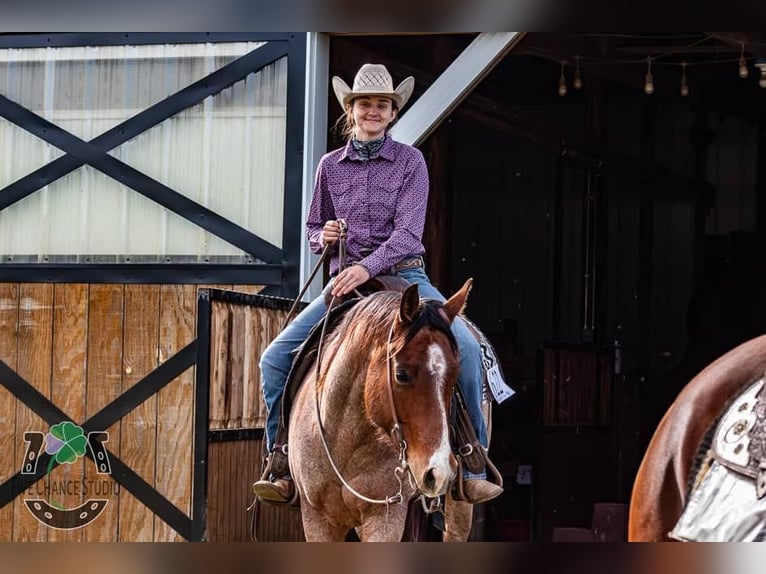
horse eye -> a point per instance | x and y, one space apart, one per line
402 376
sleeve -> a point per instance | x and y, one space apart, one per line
320 210
409 218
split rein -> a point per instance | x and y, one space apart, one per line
403 467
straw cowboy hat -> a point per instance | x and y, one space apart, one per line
373 80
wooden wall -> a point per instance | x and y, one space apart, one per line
241 327
81 346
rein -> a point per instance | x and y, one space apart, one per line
403 467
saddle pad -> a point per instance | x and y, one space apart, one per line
735 444
723 508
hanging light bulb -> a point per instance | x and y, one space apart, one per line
562 82
743 71
761 65
649 81
684 84
577 82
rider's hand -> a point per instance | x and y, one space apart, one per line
331 232
348 279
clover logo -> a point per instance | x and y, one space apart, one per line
66 442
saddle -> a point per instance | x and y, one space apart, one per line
739 442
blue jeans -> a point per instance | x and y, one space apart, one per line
278 358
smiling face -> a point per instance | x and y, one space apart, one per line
372 115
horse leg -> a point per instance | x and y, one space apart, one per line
317 529
458 516
385 525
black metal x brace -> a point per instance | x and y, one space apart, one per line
102 420
94 152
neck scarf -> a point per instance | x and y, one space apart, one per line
367 150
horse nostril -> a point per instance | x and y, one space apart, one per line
429 480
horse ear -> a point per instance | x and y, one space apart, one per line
408 310
455 304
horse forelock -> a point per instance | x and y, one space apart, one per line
431 315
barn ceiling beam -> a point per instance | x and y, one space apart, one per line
453 85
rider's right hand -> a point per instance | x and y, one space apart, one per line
331 232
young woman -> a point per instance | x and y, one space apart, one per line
380 188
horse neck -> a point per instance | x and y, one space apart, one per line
345 392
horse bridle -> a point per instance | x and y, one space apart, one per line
403 468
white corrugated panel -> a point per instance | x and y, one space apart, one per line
227 153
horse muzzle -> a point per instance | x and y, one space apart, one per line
436 479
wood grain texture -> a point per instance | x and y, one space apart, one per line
236 374
68 383
138 437
220 338
34 365
175 405
104 381
10 444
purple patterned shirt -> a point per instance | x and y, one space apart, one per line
383 201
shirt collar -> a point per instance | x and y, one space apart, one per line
388 151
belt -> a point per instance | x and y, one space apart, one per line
407 263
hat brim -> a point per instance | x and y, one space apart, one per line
400 95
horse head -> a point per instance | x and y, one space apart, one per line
412 393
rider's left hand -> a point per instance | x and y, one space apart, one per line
349 279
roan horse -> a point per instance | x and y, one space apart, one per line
660 488
375 416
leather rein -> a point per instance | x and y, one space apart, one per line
403 468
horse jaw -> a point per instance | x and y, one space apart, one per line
455 304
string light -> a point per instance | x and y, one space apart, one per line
684 84
743 71
761 64
649 82
577 82
562 82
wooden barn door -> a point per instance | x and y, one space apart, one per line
119 361
239 327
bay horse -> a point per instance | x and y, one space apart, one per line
369 426
660 488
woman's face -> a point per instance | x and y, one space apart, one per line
372 115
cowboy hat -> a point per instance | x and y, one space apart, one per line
373 80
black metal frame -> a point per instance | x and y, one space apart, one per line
277 268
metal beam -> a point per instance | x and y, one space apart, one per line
457 81
315 139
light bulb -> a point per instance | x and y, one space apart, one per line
684 84
577 82
649 81
562 82
762 81
649 84
743 71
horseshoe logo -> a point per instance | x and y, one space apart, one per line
66 519
66 443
